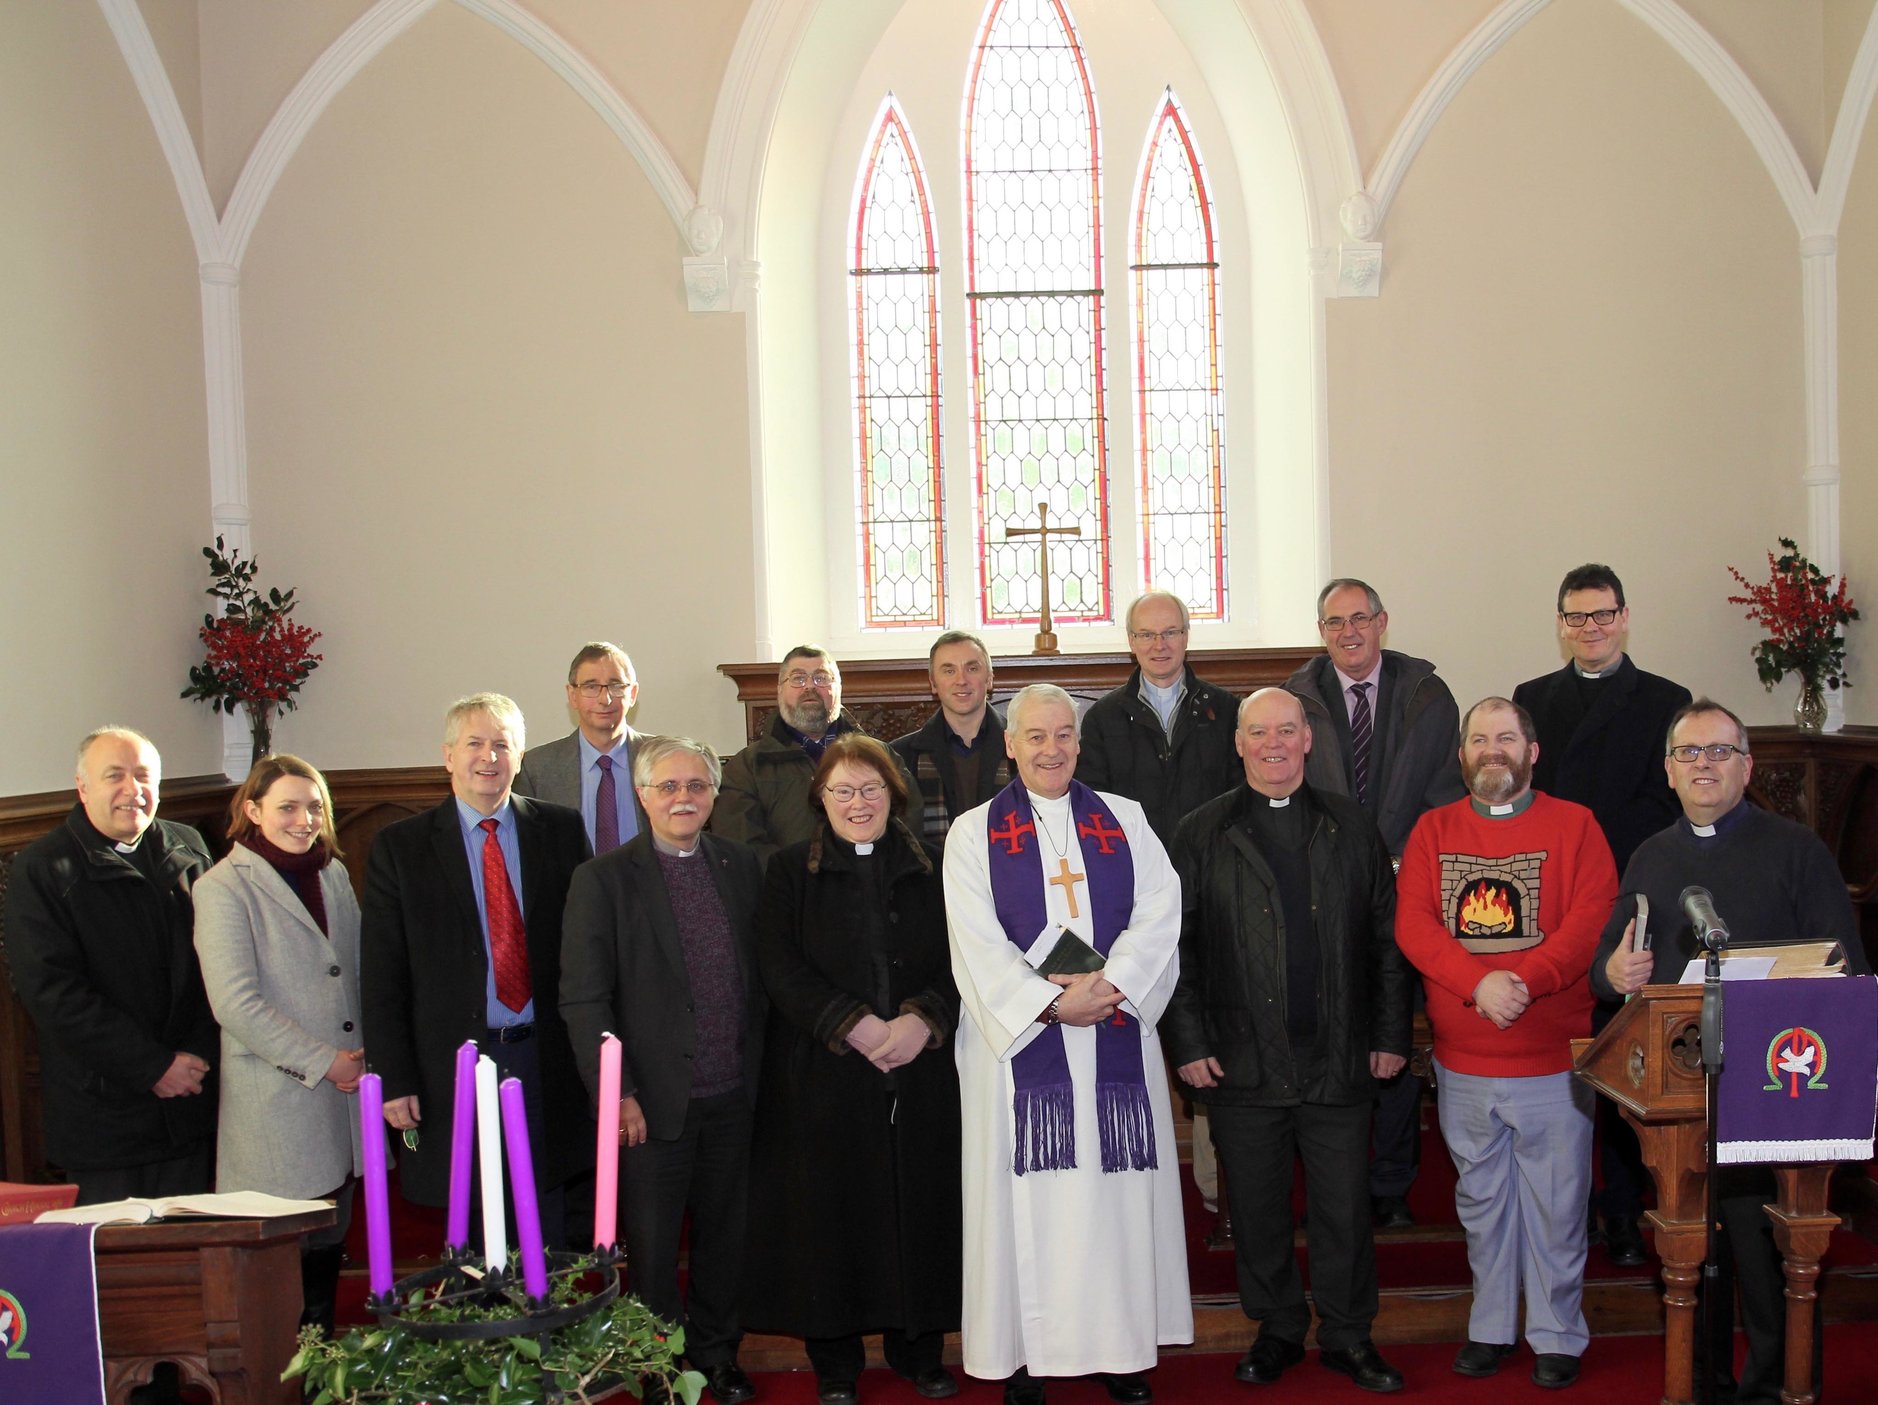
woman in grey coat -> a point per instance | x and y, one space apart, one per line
277 931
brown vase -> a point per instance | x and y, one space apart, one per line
1809 713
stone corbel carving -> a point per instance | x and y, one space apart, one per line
1359 256
707 278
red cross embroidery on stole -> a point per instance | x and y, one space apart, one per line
1012 835
1099 832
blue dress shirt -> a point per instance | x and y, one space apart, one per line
622 789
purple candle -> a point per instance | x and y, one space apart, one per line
522 1187
377 1205
462 1128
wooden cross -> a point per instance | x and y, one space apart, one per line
1067 881
1045 642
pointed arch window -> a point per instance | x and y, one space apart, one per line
1178 413
897 451
1034 290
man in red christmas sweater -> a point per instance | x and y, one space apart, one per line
1500 902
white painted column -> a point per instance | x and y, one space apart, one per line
1819 320
229 513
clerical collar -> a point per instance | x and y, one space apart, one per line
1604 672
1278 802
1163 700
1722 825
672 851
127 848
1505 811
864 849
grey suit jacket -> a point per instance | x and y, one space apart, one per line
287 998
551 772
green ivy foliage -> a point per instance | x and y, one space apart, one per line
621 1346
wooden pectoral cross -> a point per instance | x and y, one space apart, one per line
1045 642
1066 879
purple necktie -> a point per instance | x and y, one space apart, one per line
1360 726
606 811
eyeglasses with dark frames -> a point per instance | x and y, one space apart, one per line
1718 752
1577 619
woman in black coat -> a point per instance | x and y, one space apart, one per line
855 1221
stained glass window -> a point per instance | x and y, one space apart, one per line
1034 290
1178 415
898 459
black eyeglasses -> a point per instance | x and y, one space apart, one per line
1720 751
1335 623
1577 619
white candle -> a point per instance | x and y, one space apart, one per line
489 1145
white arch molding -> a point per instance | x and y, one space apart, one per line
220 244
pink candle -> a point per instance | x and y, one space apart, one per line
377 1205
606 1154
462 1128
522 1186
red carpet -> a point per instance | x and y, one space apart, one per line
1617 1371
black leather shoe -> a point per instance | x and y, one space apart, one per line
936 1384
1023 1389
1128 1390
1623 1241
1391 1212
727 1383
835 1392
1481 1358
1555 1371
1269 1358
1362 1365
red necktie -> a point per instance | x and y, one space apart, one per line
508 938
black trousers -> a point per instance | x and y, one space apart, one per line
844 1358
1750 1264
523 1061
1257 1146
191 1173
1397 1157
706 1170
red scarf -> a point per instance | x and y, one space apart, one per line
301 872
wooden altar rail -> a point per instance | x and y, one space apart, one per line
1829 783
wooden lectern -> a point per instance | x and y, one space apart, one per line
1648 1061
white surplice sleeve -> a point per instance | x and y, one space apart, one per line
1000 991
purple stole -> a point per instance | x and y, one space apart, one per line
1044 1104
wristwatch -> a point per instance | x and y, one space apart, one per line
1050 1015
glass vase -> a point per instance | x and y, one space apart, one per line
1809 713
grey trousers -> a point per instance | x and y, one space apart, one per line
1522 1147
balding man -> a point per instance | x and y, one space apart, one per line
1293 1002
99 939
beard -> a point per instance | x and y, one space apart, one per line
810 715
1496 785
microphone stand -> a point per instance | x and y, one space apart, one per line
1711 1036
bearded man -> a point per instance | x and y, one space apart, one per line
1500 903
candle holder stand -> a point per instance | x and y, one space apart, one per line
458 1281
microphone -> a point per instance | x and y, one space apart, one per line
1698 905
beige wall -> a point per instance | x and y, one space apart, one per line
105 480
1586 348
1858 427
483 429
482 426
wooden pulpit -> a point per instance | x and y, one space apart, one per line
1648 1061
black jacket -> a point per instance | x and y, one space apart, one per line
855 1216
623 969
927 755
424 971
105 964
1230 1002
1414 758
1609 759
1125 750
